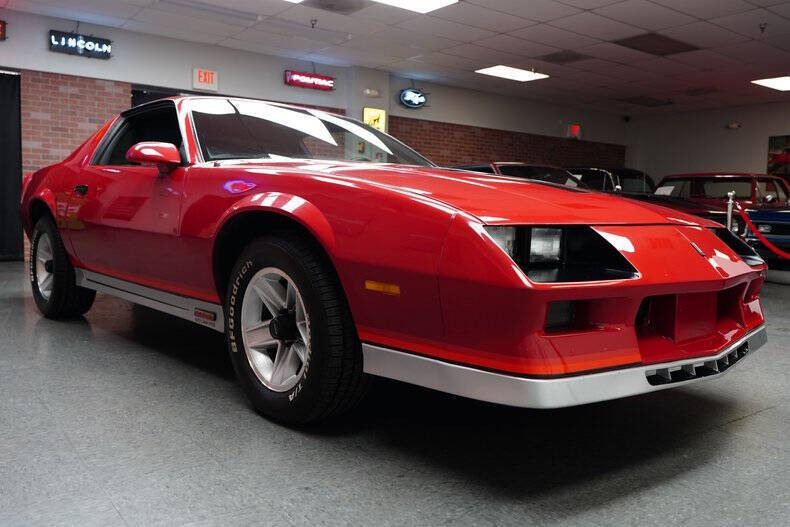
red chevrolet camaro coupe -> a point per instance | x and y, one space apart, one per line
327 251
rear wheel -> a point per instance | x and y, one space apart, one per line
52 276
291 337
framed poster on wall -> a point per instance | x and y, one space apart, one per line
779 156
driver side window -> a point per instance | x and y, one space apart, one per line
158 124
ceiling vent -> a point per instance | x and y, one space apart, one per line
705 90
343 7
563 57
648 102
656 44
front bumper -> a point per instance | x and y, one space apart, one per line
531 392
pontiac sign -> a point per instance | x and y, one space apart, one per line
304 79
75 44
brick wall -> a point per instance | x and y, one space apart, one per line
452 144
59 112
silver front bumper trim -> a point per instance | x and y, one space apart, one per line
533 392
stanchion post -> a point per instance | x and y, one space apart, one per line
730 205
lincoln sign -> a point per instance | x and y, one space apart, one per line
75 44
309 80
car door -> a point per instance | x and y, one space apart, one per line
124 218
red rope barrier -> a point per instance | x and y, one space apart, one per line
776 250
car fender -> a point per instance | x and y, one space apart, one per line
293 207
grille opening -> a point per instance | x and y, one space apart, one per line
739 247
696 370
567 316
656 317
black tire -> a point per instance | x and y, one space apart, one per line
333 381
65 299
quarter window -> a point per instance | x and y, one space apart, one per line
160 124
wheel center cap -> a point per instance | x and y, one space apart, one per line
283 327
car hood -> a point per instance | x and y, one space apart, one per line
492 199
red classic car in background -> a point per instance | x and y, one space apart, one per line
754 191
327 251
635 184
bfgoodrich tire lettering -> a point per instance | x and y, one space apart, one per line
52 276
316 381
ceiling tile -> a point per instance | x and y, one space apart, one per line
590 4
703 35
257 47
89 15
303 15
196 25
286 27
444 28
597 26
554 36
421 40
371 44
754 52
382 13
275 40
748 23
664 66
482 17
180 33
705 60
344 56
448 61
615 53
516 46
781 9
706 9
540 10
644 14
485 56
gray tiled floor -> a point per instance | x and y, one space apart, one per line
133 417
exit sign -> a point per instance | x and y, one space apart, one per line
2 29
203 79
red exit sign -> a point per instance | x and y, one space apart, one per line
2 29
304 79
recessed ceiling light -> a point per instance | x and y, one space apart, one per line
419 6
778 83
515 74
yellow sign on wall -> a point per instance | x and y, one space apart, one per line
375 117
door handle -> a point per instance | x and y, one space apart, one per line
81 189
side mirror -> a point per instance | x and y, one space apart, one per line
148 153
770 198
618 188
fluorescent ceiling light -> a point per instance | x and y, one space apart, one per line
419 6
294 1
778 83
515 74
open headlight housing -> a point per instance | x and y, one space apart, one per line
549 254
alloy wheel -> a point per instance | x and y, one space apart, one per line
275 329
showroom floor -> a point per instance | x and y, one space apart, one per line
133 417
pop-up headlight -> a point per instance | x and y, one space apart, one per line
545 245
505 237
550 254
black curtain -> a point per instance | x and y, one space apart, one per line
10 167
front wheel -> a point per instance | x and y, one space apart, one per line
52 276
290 333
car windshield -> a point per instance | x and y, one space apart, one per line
711 188
246 129
557 176
635 182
